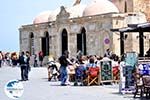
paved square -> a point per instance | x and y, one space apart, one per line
38 88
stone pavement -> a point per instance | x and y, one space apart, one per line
38 88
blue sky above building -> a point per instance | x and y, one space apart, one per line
15 13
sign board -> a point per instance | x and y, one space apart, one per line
129 79
106 74
144 68
131 59
126 74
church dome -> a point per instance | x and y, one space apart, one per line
100 7
76 11
52 16
42 17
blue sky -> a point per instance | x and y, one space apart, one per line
15 13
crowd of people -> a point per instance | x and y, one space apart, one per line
79 66
11 59
14 59
8 58
60 71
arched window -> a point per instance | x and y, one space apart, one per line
81 41
64 40
31 39
125 7
45 44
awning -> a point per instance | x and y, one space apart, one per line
144 27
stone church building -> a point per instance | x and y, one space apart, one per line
86 28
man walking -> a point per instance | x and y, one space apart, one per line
41 56
27 62
63 71
23 66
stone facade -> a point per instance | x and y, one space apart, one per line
91 34
97 29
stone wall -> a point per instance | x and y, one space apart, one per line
142 6
97 27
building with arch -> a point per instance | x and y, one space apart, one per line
81 27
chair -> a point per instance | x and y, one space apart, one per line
80 75
138 84
52 71
93 76
71 72
146 85
116 74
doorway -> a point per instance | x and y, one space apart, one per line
45 44
64 40
31 37
81 41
